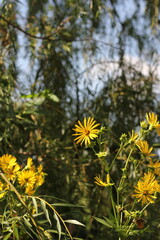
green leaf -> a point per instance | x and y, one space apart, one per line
7 236
27 222
29 96
65 205
45 211
110 222
29 226
15 232
35 204
37 100
58 225
53 97
72 221
104 222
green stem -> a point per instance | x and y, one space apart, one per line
124 170
144 207
119 150
113 207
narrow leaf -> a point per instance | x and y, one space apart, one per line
45 211
7 236
74 222
15 232
102 221
58 225
35 204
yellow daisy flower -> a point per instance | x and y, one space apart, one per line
12 172
146 189
103 184
86 131
7 161
9 166
144 148
144 192
152 119
27 178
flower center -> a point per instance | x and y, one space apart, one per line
87 132
145 192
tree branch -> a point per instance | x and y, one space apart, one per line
49 37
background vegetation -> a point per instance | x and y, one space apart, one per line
61 60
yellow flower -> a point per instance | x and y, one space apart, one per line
2 190
12 172
27 178
144 148
152 119
86 131
146 189
144 192
30 164
157 128
155 166
40 176
7 161
148 177
29 190
9 166
103 184
133 136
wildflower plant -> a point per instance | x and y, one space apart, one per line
138 184
23 213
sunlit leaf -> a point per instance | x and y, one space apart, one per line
35 204
58 225
45 211
53 97
72 221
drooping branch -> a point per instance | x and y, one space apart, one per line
50 37
24 31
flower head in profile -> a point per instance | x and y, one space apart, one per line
133 136
107 183
152 119
146 189
144 148
40 176
155 166
30 164
157 128
86 132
